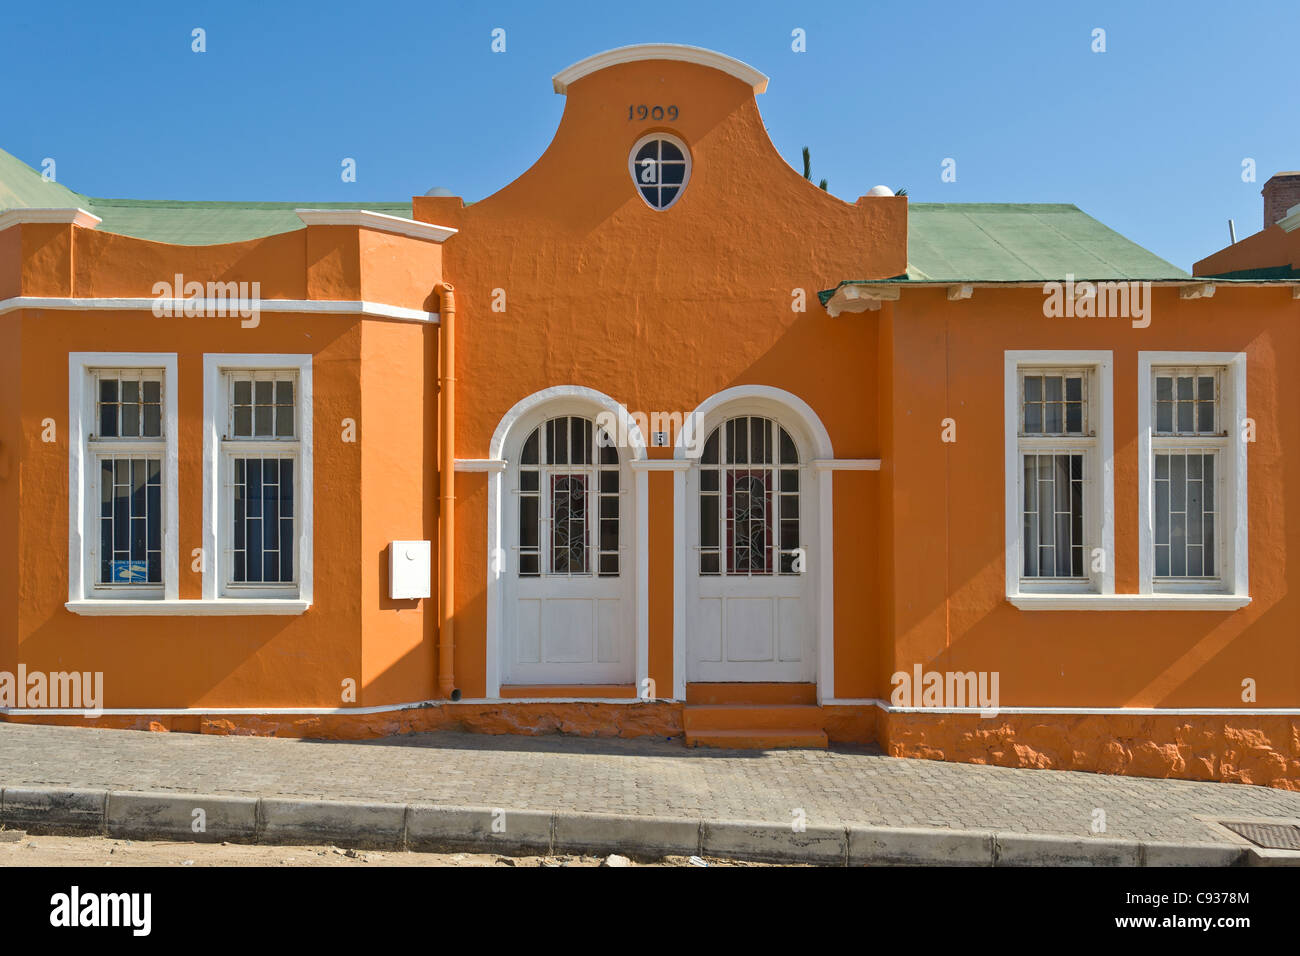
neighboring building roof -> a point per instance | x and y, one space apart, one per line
1018 242
179 222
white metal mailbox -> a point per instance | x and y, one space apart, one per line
408 570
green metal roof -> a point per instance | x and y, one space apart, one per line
1018 242
210 223
174 221
22 187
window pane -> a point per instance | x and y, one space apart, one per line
708 521
130 522
1033 388
528 522
1052 418
284 421
710 454
1033 419
1074 418
1205 422
1164 417
788 454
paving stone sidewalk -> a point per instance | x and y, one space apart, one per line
839 787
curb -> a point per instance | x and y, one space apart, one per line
427 827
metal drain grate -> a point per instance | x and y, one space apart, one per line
1271 836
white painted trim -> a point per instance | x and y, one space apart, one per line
1238 712
578 395
679 584
659 51
1291 221
816 433
379 221
480 464
641 582
846 464
314 711
557 400
1104 422
686 171
81 421
177 608
1069 711
214 403
1128 602
660 464
768 401
75 216
377 310
825 586
1236 580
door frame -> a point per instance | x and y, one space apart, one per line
514 426
798 417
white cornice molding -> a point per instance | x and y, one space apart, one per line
846 464
221 307
481 464
660 464
1129 602
78 217
381 222
1291 221
660 51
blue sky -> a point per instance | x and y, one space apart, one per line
1148 137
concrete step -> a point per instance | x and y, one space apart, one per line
774 739
770 694
750 717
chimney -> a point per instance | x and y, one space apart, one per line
1280 193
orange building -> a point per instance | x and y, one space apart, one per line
692 449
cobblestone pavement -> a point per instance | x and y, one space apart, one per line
835 787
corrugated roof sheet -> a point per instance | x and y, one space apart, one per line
174 221
210 223
1021 242
1018 242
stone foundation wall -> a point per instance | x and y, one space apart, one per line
1249 749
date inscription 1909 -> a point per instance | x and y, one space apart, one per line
643 111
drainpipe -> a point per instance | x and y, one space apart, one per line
447 492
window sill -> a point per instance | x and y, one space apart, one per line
1129 602
217 608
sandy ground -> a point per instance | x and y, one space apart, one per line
44 851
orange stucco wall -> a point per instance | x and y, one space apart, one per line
565 277
948 599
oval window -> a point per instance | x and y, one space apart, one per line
661 166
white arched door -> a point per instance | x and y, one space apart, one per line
568 615
751 522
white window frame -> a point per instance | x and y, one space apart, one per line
83 510
216 456
1231 493
686 173
1099 501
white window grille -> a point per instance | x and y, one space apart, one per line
568 500
660 165
749 500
